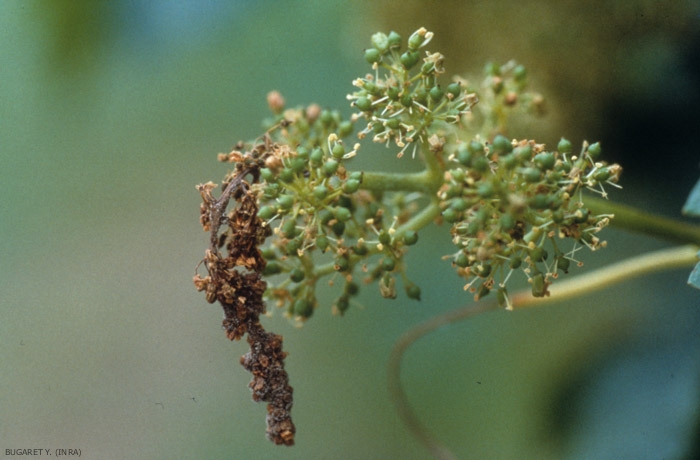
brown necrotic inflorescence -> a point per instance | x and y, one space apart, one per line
234 280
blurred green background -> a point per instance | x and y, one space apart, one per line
111 113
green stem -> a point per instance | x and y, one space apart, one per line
636 220
420 220
392 182
397 392
427 181
645 264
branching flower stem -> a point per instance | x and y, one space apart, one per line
657 261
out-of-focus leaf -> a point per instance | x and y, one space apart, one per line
694 278
692 204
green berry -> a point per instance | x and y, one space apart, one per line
539 287
457 175
594 150
297 165
342 214
322 242
581 215
267 212
364 104
538 254
464 156
531 175
427 69
461 260
563 264
297 275
338 228
483 271
267 175
286 202
329 168
360 250
286 175
459 204
393 123
388 264
409 59
540 201
564 146
271 191
303 152
451 215
483 291
544 160
454 89
342 264
268 254
303 308
524 152
436 93
602 174
351 288
515 262
501 145
272 268
410 237
558 216
415 40
475 147
507 222
321 192
325 216
316 157
413 291
342 304
351 186
393 93
338 151
384 237
345 128
509 161
420 95
292 247
454 191
480 164
381 42
485 190
372 55
326 118
394 40
289 228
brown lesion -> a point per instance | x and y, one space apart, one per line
234 280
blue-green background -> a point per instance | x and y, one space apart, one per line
111 113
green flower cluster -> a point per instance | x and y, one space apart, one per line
510 203
322 222
402 104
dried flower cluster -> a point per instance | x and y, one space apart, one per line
235 281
